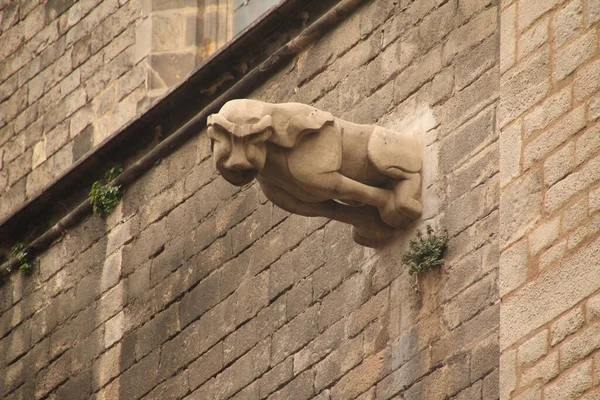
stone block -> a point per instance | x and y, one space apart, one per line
491 386
467 103
167 31
411 79
594 199
571 384
251 228
510 152
200 299
575 215
437 24
569 58
252 296
47 379
587 144
374 308
173 388
534 393
320 347
579 347
530 10
19 167
587 81
299 298
106 367
524 86
472 393
248 335
343 300
196 338
520 207
336 364
594 109
593 308
157 331
473 63
470 34
141 377
484 358
469 139
470 302
276 377
294 335
567 22
114 329
508 38
548 111
83 142
533 38
557 134
241 373
545 370
206 366
552 255
592 14
534 349
361 378
562 191
544 235
300 388
469 8
539 302
513 267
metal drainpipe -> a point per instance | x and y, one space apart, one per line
245 85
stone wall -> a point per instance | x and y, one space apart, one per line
550 202
194 289
72 73
69 77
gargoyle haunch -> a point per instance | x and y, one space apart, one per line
310 163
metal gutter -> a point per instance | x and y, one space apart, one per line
195 125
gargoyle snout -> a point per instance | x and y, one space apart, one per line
237 160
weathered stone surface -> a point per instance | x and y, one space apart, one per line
523 86
572 384
568 22
533 38
513 267
558 291
520 206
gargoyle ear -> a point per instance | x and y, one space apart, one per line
311 122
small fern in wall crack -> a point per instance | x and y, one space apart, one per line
103 197
18 252
426 252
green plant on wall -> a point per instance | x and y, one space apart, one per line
103 197
18 252
425 253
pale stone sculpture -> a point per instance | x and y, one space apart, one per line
310 163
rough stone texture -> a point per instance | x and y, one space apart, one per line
183 291
557 145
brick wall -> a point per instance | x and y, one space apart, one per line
195 289
549 204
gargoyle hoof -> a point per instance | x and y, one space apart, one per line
399 215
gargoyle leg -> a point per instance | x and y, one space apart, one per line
403 208
366 220
351 190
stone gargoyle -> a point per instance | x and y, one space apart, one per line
310 163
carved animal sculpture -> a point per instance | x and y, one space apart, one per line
310 163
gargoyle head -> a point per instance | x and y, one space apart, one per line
238 145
